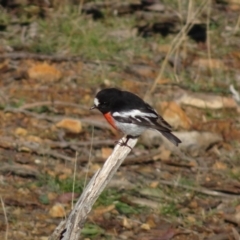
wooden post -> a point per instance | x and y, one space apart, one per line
72 226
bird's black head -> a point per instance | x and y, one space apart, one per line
105 99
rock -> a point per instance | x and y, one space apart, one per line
71 125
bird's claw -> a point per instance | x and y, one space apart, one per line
123 143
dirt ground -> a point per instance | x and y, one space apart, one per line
183 57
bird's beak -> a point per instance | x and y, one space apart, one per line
93 107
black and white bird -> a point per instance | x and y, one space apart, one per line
129 114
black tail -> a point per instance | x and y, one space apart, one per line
173 139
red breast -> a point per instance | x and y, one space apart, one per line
110 119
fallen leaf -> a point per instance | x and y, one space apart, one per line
174 114
164 81
63 169
71 125
101 210
205 63
32 138
63 176
94 167
156 7
43 238
151 221
154 184
126 223
143 70
191 219
21 131
44 72
161 234
66 197
219 165
131 86
233 5
51 173
106 152
4 66
163 48
52 196
145 226
193 204
146 202
237 208
164 154
57 211
226 128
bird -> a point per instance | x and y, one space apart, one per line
130 114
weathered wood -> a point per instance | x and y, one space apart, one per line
71 228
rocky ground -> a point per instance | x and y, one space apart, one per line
182 57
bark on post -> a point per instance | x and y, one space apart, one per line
70 229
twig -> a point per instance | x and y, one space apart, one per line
51 103
177 41
55 58
54 144
235 93
9 142
46 149
80 7
208 38
71 228
236 233
74 177
18 170
32 146
56 155
35 115
6 218
236 29
55 119
199 189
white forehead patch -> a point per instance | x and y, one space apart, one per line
96 102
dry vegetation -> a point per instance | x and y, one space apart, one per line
183 57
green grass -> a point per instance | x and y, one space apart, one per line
17 103
54 184
169 209
126 209
108 197
67 31
5 18
91 230
234 174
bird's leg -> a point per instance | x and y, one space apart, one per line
124 143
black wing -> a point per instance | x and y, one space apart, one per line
149 119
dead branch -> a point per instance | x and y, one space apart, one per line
52 103
54 58
55 144
10 142
19 170
71 228
46 149
33 147
55 119
199 189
